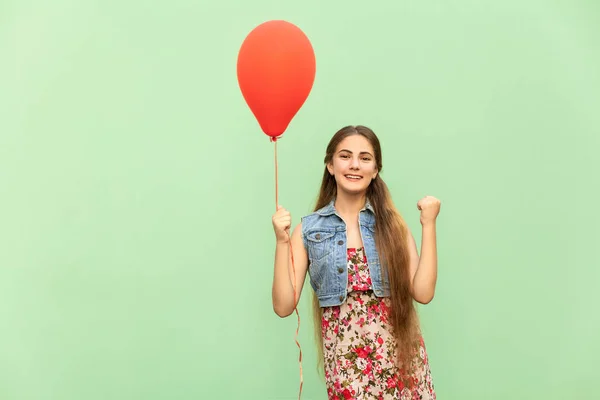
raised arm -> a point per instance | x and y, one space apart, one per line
423 269
284 301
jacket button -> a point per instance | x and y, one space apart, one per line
341 298
340 270
341 242
318 236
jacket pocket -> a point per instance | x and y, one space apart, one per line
320 244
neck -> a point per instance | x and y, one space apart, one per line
347 204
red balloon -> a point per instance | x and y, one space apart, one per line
276 71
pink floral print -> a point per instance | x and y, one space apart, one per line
359 347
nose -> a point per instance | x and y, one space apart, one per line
355 164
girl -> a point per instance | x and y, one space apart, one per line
365 273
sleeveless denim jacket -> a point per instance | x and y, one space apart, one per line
324 237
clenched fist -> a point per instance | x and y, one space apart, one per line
430 208
282 220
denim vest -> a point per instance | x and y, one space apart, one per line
324 236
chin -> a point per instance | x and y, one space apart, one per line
352 190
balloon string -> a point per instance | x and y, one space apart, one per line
274 140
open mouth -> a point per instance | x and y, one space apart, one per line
353 178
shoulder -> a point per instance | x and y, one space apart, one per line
318 222
308 222
317 218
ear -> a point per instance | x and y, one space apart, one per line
375 174
330 168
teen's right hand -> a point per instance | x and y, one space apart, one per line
282 220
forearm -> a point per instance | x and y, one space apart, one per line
426 276
283 289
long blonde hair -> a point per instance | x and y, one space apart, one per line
392 246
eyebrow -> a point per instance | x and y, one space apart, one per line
362 152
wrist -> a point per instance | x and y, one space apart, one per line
428 224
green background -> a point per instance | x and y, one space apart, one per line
136 192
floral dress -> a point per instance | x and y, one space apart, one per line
359 348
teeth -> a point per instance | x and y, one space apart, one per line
353 176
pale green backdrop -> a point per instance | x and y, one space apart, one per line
136 192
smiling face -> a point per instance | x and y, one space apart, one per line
353 164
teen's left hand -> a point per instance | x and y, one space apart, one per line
430 208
